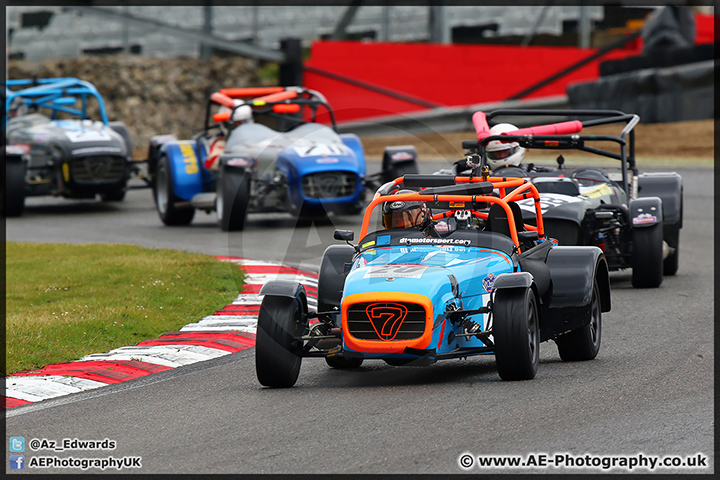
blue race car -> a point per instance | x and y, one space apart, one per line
53 147
299 165
464 277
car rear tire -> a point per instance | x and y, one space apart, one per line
343 362
672 262
583 343
647 257
165 199
515 332
233 197
280 323
14 201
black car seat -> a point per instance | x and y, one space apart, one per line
533 257
497 220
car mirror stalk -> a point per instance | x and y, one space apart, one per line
347 236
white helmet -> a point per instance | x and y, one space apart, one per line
241 112
503 154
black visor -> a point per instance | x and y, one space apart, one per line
500 154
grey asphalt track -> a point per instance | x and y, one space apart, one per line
649 391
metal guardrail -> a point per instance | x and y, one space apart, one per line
451 119
197 35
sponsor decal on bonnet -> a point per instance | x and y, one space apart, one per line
406 271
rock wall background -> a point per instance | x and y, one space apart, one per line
151 95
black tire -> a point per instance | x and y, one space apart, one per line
165 198
515 332
395 171
14 198
343 362
233 197
583 343
113 196
277 363
647 257
672 262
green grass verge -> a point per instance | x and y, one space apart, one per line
67 301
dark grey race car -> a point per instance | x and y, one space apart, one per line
635 218
71 157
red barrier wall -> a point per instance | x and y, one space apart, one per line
450 75
704 28
446 75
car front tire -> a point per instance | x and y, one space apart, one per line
165 199
516 334
233 197
277 359
647 257
14 201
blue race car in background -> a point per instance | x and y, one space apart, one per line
283 160
53 147
483 283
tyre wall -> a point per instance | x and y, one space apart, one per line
657 95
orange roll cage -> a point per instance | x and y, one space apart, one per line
275 97
286 108
250 92
222 99
523 189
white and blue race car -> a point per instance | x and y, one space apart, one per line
493 284
283 160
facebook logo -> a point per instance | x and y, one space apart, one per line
17 462
17 444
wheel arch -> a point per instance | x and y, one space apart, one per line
573 272
668 187
602 276
646 211
285 288
331 280
353 142
185 170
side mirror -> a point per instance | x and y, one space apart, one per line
347 235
